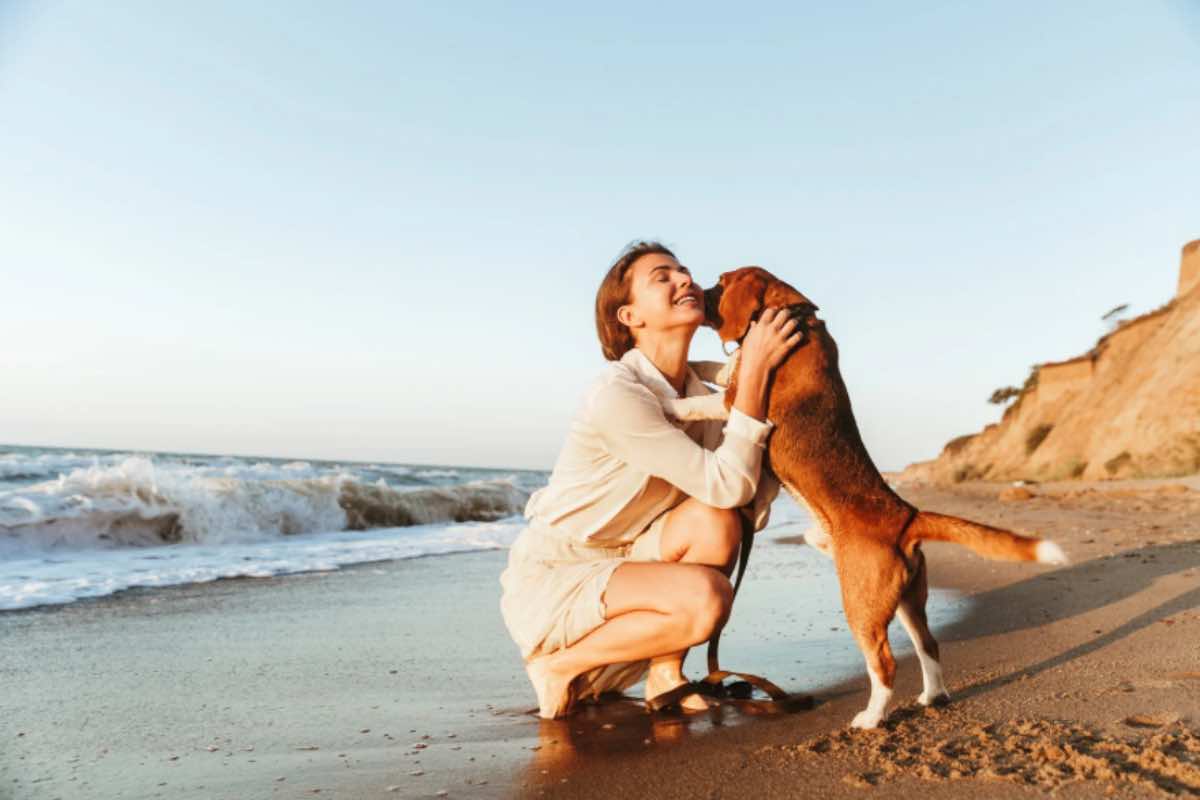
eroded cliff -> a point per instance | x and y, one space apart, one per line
1130 407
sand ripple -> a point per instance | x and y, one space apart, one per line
1157 754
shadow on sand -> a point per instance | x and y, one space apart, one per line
1072 592
621 725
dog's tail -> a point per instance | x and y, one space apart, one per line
989 542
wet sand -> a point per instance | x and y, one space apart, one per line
396 675
337 684
397 679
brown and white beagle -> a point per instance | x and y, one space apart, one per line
817 454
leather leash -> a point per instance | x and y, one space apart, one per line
713 685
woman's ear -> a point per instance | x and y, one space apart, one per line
741 300
626 317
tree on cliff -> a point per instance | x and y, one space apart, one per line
1114 316
1004 394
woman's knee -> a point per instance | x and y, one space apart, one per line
723 536
707 535
707 604
727 529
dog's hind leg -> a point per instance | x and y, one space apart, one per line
911 614
871 587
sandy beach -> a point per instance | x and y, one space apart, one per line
397 679
316 313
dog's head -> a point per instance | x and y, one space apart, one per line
741 295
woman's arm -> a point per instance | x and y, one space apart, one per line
634 429
632 424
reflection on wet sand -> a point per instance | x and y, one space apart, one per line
620 725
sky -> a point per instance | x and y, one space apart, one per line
374 230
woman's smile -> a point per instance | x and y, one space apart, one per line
691 298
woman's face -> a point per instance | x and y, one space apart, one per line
661 296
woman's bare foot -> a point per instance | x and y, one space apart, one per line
552 684
664 677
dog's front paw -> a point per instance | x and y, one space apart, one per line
674 408
867 720
699 407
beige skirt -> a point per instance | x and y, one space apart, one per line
553 596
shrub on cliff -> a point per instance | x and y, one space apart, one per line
1003 395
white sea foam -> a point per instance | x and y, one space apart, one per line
391 469
111 521
139 503
437 473
27 467
86 524
37 581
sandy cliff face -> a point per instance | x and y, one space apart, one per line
1128 408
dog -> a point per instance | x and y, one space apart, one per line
816 453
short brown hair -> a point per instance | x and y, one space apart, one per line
615 337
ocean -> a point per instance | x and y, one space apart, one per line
81 523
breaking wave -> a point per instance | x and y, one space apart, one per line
135 502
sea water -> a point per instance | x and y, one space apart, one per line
83 523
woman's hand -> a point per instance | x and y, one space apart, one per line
766 345
769 340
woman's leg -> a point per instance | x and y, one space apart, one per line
652 608
693 533
655 608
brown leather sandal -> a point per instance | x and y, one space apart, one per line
713 684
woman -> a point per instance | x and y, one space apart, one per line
623 565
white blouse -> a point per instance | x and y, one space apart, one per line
625 462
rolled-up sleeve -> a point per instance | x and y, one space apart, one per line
634 429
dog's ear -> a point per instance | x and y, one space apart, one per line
741 300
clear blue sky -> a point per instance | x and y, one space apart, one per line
374 230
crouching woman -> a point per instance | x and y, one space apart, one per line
625 560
